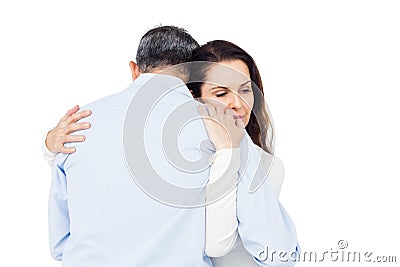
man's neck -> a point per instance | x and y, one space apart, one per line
172 71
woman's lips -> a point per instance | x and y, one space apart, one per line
238 117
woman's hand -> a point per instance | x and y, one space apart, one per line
58 136
223 129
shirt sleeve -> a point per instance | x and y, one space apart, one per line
264 226
58 214
221 220
47 154
276 173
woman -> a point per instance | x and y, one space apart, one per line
234 99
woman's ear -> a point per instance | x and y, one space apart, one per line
191 91
134 70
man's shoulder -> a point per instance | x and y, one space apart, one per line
110 100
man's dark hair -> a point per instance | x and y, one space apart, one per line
164 46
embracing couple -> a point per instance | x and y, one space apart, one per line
148 183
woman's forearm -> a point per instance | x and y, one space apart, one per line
221 220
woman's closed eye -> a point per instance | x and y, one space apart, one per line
245 90
221 93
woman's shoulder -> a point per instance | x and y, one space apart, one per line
276 162
276 170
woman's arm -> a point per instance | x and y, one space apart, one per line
53 141
221 223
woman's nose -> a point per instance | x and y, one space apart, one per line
235 102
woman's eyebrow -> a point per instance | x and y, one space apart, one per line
219 87
243 84
224 87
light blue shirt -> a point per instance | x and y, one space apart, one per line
266 230
100 215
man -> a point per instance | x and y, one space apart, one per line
98 216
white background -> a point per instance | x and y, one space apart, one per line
331 71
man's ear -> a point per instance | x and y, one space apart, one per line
134 70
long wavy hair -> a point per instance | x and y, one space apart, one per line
260 127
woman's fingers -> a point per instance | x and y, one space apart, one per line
225 129
77 127
77 116
58 136
68 150
202 110
220 109
74 138
239 123
212 110
230 112
71 111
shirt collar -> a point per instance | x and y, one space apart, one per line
180 86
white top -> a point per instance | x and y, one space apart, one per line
47 154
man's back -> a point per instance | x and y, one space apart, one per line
98 213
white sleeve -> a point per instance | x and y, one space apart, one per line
47 154
221 220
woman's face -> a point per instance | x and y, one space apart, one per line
229 84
